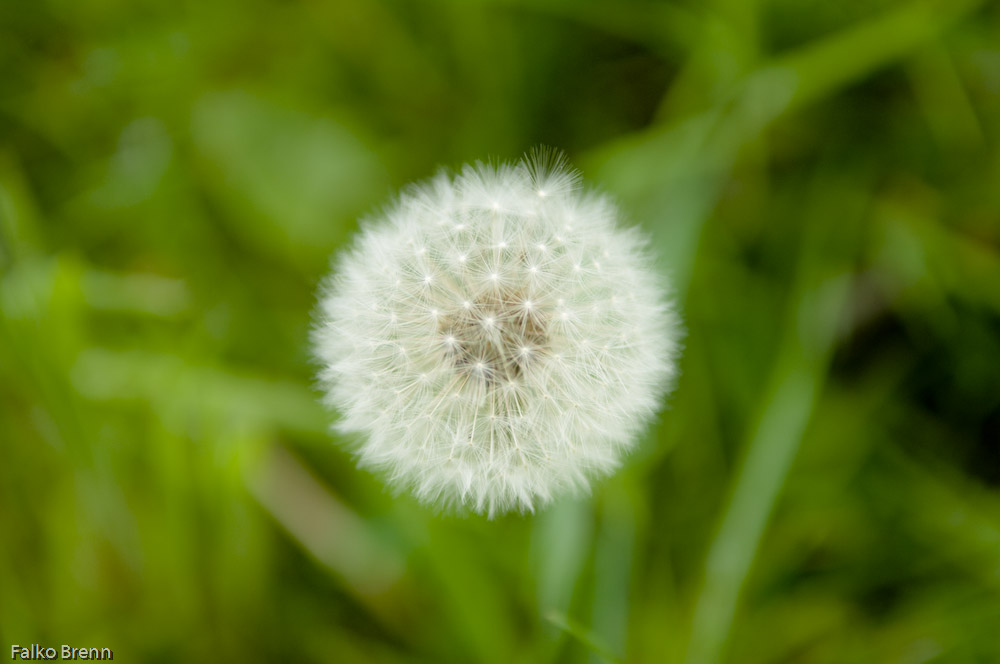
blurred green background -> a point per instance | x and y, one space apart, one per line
820 179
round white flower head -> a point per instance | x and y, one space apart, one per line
496 339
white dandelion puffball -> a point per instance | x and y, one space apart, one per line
496 339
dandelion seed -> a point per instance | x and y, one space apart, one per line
518 387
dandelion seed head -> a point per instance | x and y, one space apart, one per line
548 348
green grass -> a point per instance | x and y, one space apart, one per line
820 180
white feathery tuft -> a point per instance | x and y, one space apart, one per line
496 339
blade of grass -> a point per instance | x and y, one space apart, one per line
818 300
672 173
324 526
582 635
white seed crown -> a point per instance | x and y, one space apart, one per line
496 338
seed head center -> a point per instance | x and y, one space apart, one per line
496 337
